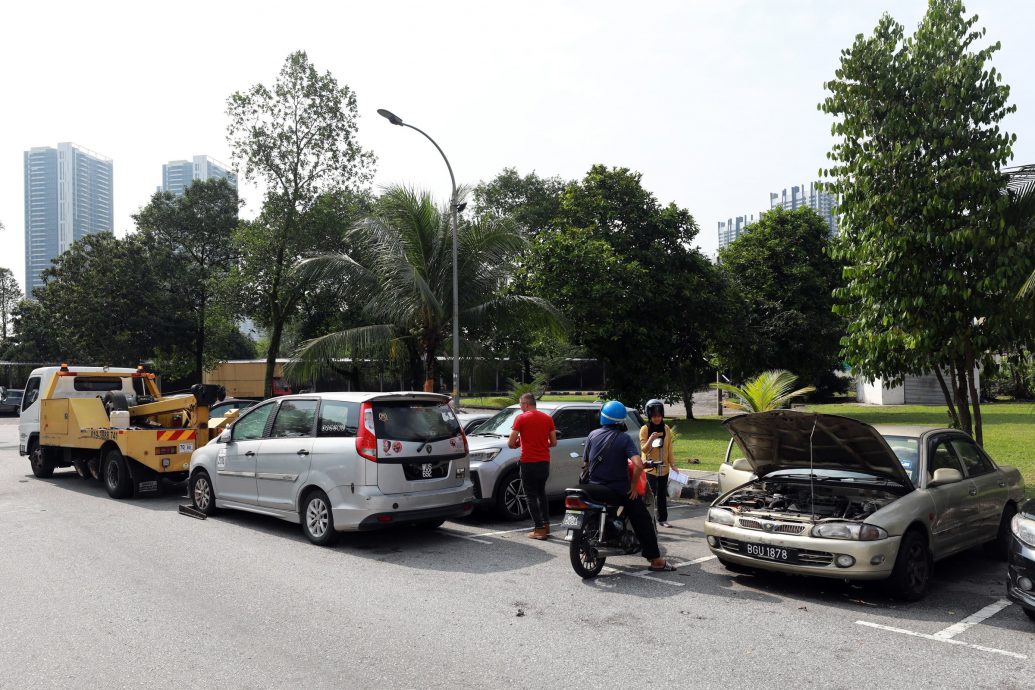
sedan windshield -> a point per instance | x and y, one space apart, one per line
499 424
907 450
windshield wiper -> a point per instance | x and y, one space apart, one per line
487 433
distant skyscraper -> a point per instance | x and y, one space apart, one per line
730 230
68 195
177 175
819 201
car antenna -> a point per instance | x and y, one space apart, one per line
812 473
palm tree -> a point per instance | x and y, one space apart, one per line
770 390
399 269
1021 214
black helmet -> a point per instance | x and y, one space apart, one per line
654 406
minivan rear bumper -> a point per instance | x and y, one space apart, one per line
403 517
368 508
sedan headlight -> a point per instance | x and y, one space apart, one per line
720 516
1024 529
483 455
856 531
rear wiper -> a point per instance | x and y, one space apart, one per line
487 433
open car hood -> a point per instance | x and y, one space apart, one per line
780 440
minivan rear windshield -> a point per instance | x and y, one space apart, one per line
414 420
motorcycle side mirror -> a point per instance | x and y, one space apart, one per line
656 443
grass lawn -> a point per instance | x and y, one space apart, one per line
1009 430
499 402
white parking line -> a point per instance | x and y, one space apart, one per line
972 620
461 535
511 531
639 573
941 639
702 559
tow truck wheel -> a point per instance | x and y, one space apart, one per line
115 473
39 459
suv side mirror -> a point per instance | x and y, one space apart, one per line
223 437
945 475
742 465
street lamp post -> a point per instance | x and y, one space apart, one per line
396 120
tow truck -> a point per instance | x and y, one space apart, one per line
113 424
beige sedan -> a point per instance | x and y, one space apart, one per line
835 497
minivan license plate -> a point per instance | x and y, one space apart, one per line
769 553
572 520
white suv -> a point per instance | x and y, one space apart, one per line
494 466
339 461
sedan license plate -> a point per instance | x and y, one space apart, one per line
769 553
572 520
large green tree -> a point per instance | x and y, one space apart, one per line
104 301
533 202
784 278
298 138
622 269
931 261
196 228
399 273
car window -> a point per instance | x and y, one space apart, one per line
338 418
418 420
974 461
252 425
500 423
907 451
575 423
295 419
635 421
942 457
32 391
96 385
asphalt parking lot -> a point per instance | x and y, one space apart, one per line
97 592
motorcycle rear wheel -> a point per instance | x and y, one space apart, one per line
585 560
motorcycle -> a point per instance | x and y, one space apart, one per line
597 530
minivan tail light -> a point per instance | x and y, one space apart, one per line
366 439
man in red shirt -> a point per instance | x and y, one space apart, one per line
533 431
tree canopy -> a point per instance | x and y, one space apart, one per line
299 138
784 278
931 261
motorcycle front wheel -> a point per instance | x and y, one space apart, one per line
585 560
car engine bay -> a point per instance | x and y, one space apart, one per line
800 500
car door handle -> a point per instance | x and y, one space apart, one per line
1002 483
303 452
250 453
973 492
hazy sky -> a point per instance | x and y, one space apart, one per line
713 102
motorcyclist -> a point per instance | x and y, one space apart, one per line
609 450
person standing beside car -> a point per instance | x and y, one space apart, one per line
657 477
534 433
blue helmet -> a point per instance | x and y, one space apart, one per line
613 412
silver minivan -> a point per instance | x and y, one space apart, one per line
339 462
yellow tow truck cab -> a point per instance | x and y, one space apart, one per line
113 424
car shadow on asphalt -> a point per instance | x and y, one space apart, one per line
424 549
960 586
170 496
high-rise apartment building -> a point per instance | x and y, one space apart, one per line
819 201
177 175
732 229
68 195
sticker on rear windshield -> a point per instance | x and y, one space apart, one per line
446 416
383 416
396 447
386 445
452 442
